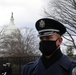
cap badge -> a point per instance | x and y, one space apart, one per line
42 24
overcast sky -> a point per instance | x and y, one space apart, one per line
25 12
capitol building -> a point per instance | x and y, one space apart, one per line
11 28
10 39
15 41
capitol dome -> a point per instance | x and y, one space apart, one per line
11 28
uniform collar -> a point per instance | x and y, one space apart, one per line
54 58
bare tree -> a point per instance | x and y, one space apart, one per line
21 44
65 12
69 51
30 40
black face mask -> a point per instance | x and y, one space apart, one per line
47 47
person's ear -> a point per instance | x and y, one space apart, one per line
60 41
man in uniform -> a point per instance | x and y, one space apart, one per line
52 61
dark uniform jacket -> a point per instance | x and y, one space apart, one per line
63 66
